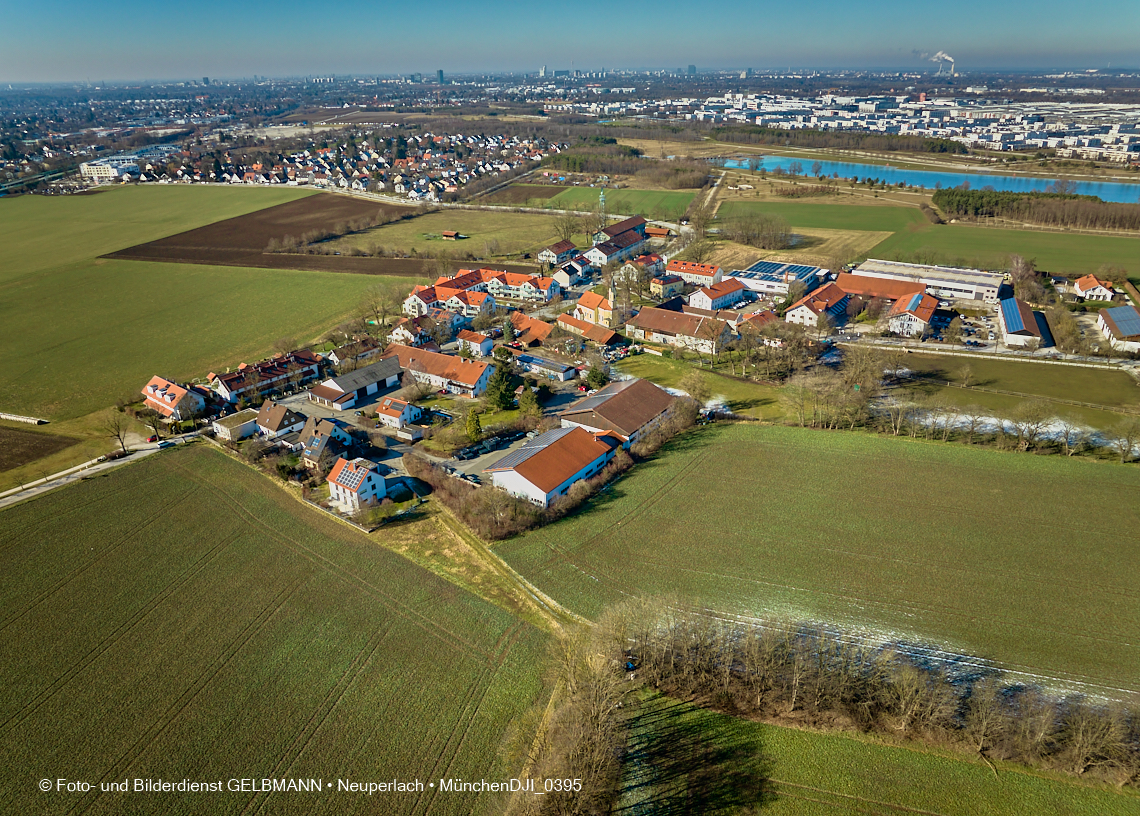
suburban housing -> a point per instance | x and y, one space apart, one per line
442 371
172 400
355 484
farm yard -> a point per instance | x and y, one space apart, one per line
183 618
803 773
962 548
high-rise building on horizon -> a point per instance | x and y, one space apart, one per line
692 70
439 76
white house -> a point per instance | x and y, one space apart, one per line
443 372
695 273
697 332
275 420
421 300
557 253
910 315
355 484
479 345
546 467
235 427
1090 287
395 413
629 408
719 295
827 300
172 400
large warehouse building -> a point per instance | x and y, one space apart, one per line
941 281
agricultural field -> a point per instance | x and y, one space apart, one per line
43 232
183 618
490 234
740 396
522 195
961 548
829 216
820 247
668 205
18 445
82 331
802 773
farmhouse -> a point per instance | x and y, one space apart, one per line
828 302
594 308
696 274
275 420
679 329
235 427
940 281
442 371
629 408
635 224
347 390
321 440
910 315
1120 325
250 380
395 413
477 344
1018 323
529 331
547 466
171 400
558 253
355 484
598 334
618 248
1090 287
718 296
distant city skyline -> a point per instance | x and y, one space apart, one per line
85 42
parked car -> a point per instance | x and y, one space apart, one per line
152 439
166 443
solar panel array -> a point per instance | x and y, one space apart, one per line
529 449
775 270
351 478
1012 316
1127 320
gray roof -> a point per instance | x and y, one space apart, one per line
363 377
1124 320
529 449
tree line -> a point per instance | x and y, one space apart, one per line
1046 209
748 134
813 674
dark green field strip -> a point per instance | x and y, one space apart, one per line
814 774
829 216
972 549
240 635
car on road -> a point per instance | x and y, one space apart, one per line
166 443
152 439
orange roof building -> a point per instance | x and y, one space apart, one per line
545 468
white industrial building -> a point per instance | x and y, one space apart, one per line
941 281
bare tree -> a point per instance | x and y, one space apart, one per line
695 384
1029 421
1125 437
567 225
116 425
285 345
1073 435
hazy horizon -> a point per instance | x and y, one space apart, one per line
290 39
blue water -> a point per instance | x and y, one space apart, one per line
1105 190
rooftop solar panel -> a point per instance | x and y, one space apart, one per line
1012 316
1127 320
529 449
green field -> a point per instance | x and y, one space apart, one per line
44 232
963 245
1099 386
801 773
182 618
665 204
80 331
829 216
489 234
988 553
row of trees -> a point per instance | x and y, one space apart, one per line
1047 209
760 230
823 675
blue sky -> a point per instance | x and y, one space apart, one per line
70 40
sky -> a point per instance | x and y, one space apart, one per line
70 40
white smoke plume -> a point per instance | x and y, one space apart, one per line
942 56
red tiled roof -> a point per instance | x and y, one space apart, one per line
821 299
592 300
560 460
690 268
447 366
472 337
868 287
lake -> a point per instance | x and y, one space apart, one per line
930 179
